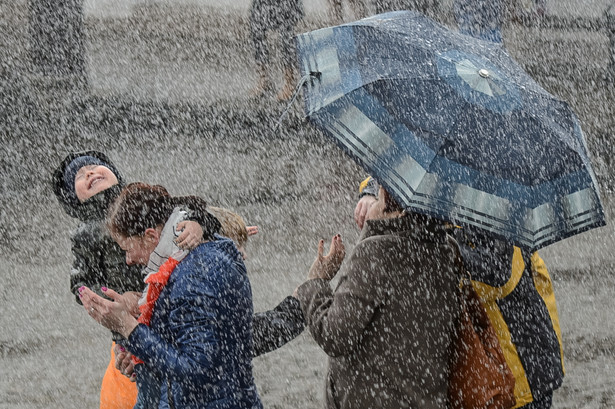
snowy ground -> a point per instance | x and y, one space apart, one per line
167 101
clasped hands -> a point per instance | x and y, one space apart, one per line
124 362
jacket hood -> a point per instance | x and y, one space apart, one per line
96 206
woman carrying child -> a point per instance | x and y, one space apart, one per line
194 334
86 183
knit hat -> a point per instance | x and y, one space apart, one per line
73 167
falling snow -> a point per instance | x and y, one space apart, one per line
164 88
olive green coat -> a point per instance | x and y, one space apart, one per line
387 327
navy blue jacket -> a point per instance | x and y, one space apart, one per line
199 342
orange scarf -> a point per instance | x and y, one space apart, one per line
157 282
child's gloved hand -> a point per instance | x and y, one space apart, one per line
191 235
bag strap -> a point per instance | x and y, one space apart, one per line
465 278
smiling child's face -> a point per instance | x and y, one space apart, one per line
93 179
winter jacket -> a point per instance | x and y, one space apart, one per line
388 326
98 260
198 347
517 293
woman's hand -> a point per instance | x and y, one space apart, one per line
132 302
114 315
191 234
326 267
360 211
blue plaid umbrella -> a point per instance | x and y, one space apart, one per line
451 126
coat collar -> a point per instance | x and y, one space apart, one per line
410 224
96 207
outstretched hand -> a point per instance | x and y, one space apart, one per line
326 267
114 315
252 230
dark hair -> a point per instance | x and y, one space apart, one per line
139 207
390 204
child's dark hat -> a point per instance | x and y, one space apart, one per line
63 177
73 167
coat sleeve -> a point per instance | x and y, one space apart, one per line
196 208
274 328
338 319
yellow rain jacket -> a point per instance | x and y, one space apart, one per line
517 293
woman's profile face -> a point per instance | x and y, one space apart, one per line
137 248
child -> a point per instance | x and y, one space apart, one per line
233 227
86 183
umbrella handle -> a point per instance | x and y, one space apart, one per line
301 83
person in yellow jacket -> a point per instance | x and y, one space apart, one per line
517 293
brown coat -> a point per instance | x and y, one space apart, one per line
387 328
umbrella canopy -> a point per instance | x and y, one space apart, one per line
451 126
